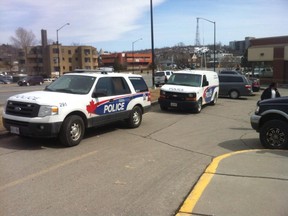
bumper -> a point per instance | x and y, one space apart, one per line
255 122
182 105
39 130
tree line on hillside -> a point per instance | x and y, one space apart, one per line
180 54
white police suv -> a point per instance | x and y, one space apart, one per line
77 101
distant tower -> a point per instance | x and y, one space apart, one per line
197 40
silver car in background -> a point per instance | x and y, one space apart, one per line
161 77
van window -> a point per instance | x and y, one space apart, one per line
230 79
159 74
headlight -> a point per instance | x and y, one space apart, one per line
192 95
163 93
47 111
257 110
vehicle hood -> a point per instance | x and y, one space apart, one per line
179 88
279 100
45 97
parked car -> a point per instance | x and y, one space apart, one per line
234 86
77 101
31 80
255 82
189 90
5 80
261 72
161 77
270 120
230 72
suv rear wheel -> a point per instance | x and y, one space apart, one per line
135 118
274 134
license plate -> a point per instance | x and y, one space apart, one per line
14 130
173 104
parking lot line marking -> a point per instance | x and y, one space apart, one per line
44 171
194 196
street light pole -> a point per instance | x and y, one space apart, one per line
58 52
152 43
133 52
214 38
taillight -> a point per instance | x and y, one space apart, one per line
149 96
248 86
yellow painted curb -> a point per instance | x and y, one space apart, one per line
194 196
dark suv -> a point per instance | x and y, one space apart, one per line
31 80
234 86
270 120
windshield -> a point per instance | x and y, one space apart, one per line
159 74
185 79
73 84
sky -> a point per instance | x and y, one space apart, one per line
121 25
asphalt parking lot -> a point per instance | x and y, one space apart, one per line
118 171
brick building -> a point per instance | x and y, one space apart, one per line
271 53
45 59
128 61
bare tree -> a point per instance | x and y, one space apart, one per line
228 62
23 38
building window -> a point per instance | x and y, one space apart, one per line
55 50
70 60
87 60
69 52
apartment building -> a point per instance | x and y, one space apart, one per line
128 61
54 60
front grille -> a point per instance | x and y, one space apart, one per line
22 109
175 96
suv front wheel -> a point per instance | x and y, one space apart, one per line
274 134
72 131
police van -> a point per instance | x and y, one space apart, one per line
77 101
189 90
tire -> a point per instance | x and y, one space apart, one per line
215 99
72 131
135 117
274 134
199 106
164 108
234 94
